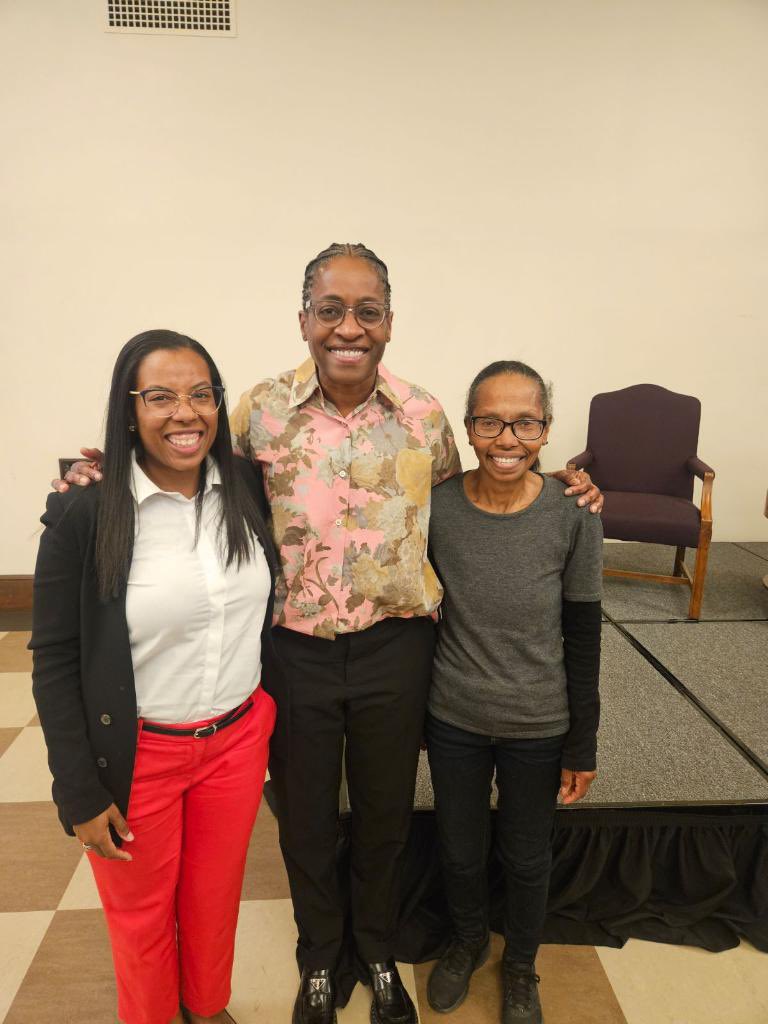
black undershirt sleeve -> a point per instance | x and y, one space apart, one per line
581 643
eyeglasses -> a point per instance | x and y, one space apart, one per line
164 402
524 430
330 313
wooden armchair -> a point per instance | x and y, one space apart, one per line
641 452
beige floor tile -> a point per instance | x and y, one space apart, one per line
16 704
7 736
14 656
265 977
20 937
37 858
81 893
659 984
265 877
24 774
70 980
574 989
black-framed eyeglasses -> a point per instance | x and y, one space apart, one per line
524 429
164 402
331 313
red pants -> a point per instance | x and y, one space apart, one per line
172 910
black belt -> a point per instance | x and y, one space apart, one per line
203 730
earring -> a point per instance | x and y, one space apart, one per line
131 426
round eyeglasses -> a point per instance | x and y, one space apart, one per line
524 429
162 402
330 313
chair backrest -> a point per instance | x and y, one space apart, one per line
640 438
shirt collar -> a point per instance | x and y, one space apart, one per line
142 487
305 384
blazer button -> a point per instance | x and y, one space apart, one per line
106 720
101 762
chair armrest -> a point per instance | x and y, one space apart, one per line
580 461
699 468
705 473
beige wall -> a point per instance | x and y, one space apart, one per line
581 184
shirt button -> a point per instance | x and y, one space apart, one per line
343 474
339 522
101 762
106 720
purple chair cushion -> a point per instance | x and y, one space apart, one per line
652 518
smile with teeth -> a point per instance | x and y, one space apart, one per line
349 355
506 460
185 441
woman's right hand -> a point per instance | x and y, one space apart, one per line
94 834
83 472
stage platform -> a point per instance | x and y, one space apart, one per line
656 749
672 842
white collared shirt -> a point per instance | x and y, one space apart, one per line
194 624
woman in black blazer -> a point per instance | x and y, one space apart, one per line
152 615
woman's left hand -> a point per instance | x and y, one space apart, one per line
575 784
580 482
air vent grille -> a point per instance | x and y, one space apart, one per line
190 17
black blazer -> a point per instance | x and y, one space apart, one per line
82 677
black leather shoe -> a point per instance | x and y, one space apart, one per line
391 1003
315 1003
449 981
521 994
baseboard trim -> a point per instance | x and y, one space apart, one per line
16 593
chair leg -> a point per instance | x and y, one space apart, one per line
699 575
679 559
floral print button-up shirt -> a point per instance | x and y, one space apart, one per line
350 497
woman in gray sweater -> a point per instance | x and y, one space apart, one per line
515 683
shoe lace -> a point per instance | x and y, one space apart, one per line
519 986
458 955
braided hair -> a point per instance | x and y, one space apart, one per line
344 249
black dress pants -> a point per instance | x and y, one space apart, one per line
369 688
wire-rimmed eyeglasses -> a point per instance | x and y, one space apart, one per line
331 313
524 429
164 402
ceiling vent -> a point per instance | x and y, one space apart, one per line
172 17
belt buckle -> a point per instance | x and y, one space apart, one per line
203 731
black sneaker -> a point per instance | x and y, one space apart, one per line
449 981
521 994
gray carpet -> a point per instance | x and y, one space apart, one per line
733 589
725 665
655 748
757 547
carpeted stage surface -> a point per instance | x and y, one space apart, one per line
656 747
724 665
684 720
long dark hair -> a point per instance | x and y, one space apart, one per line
116 524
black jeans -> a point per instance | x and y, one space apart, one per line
370 689
528 777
